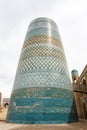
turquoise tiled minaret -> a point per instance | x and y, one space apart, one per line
42 92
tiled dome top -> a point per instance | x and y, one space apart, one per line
74 71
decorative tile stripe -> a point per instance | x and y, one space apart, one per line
43 20
45 79
45 92
42 24
43 63
42 32
44 51
42 105
42 118
42 39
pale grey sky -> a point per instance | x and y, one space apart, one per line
15 16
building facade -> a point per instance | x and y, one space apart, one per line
80 92
42 91
0 98
5 101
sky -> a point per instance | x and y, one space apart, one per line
15 17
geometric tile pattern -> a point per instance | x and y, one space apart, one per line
46 63
41 32
42 90
42 50
42 39
41 80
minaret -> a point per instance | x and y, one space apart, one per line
42 92
74 76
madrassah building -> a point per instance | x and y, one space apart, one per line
80 92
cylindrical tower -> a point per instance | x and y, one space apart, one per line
42 90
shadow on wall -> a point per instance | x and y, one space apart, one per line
73 115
